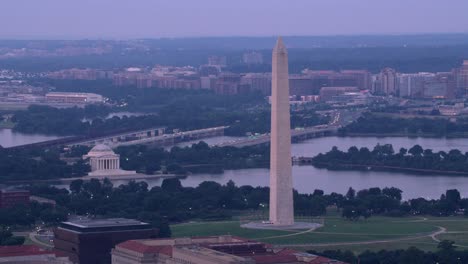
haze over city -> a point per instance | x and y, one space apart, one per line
233 131
58 19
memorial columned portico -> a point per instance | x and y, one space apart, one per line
104 162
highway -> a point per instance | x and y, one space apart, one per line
338 118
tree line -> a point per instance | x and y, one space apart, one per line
174 109
37 164
173 203
373 124
446 253
383 157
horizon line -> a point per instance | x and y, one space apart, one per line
64 38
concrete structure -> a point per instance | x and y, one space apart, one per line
104 162
281 196
30 254
90 241
208 250
74 98
12 197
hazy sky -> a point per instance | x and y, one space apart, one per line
186 18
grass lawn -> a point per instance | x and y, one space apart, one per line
426 244
376 233
336 230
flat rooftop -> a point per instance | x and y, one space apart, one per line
104 225
109 222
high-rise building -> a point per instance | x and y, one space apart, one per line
461 79
389 82
412 84
281 192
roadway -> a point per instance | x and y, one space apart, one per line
338 118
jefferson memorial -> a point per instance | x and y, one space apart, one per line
104 162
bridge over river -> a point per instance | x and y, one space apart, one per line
154 137
296 135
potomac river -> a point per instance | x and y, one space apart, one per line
308 178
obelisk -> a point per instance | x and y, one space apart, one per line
281 192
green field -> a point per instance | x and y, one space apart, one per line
375 233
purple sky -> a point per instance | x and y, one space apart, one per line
187 18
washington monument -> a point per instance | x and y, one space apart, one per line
281 195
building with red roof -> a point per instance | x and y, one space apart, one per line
209 250
30 254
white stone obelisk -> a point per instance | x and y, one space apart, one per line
281 192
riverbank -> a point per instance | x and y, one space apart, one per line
409 135
370 167
141 177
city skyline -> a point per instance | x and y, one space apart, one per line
155 19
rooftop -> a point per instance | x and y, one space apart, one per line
223 248
23 250
110 222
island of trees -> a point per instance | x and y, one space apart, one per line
383 157
372 124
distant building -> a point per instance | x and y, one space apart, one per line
252 58
452 110
412 85
353 98
258 82
104 162
81 74
311 81
327 93
91 241
388 82
74 98
209 250
228 84
461 79
30 254
12 197
303 85
220 61
363 78
208 82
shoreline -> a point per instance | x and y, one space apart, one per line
111 178
364 167
408 135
